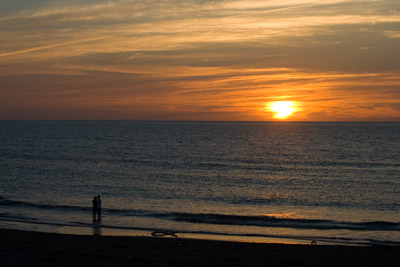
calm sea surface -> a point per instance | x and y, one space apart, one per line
297 181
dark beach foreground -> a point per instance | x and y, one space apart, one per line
21 248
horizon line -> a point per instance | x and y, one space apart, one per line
200 121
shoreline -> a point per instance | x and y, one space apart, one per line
98 229
26 248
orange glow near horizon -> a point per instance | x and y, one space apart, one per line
283 109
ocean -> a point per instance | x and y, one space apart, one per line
293 182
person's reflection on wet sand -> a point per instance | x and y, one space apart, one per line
96 228
94 202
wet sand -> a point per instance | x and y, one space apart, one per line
22 248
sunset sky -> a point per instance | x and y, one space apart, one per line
200 60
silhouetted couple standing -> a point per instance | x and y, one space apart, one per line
96 208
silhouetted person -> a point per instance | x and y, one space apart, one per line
98 208
94 202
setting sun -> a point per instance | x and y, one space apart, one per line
282 109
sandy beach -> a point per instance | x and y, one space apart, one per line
22 248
